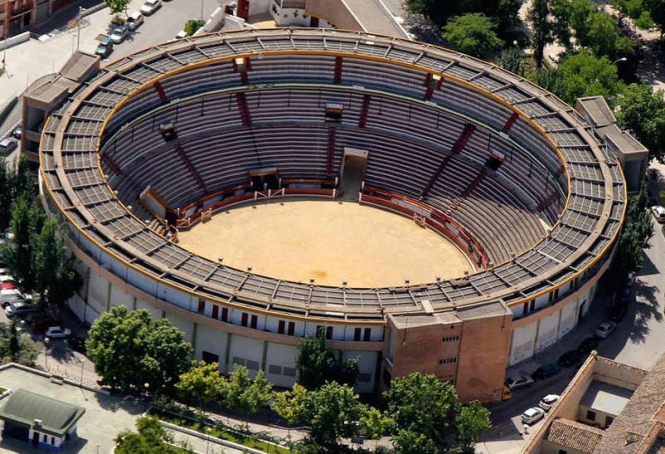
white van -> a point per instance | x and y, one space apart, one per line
659 213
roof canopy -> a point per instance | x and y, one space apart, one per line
24 407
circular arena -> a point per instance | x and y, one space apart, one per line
170 139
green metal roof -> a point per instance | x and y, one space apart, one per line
23 407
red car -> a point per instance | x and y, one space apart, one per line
7 286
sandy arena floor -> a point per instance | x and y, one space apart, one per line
328 240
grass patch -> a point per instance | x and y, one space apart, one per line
219 432
2 390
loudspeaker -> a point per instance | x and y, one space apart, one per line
168 132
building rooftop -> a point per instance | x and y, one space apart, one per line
78 67
25 408
622 140
575 435
374 18
598 113
606 398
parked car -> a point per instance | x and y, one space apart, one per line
150 6
20 308
119 33
8 145
181 34
588 345
547 402
40 325
57 332
618 312
533 415
571 358
105 47
18 132
605 329
517 381
134 20
659 213
546 371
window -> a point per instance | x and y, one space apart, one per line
209 357
281 327
591 415
225 314
52 440
367 334
333 113
292 328
448 361
252 365
356 334
202 307
329 332
243 318
274 370
450 339
608 421
239 361
289 371
562 451
45 438
255 321
215 311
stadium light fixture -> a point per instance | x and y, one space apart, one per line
345 282
311 280
220 259
407 281
250 268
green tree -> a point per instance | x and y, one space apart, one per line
117 6
192 26
584 74
317 364
538 17
605 39
19 251
333 412
571 20
375 424
288 405
130 350
150 438
245 395
473 34
55 277
470 423
656 9
202 381
14 341
512 60
642 112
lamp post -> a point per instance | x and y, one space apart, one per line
619 59
46 344
147 389
82 362
78 32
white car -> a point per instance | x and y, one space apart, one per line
518 381
533 415
547 402
119 33
56 332
134 20
605 329
150 6
659 213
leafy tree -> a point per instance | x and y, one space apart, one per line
117 6
584 74
642 112
571 20
333 412
288 405
245 395
6 198
130 350
470 423
14 342
317 364
656 9
18 252
374 424
538 17
55 277
473 34
512 60
192 26
203 381
151 438
605 39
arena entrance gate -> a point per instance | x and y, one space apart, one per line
352 174
264 179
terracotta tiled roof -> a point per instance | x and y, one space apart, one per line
574 435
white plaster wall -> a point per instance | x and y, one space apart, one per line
186 326
568 319
247 349
547 331
542 301
121 298
155 313
213 341
522 344
281 355
98 288
366 365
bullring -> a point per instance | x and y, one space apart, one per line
512 175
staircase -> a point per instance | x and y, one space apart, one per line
436 174
115 168
510 122
364 111
331 150
464 138
548 201
467 191
245 116
160 91
190 166
338 70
